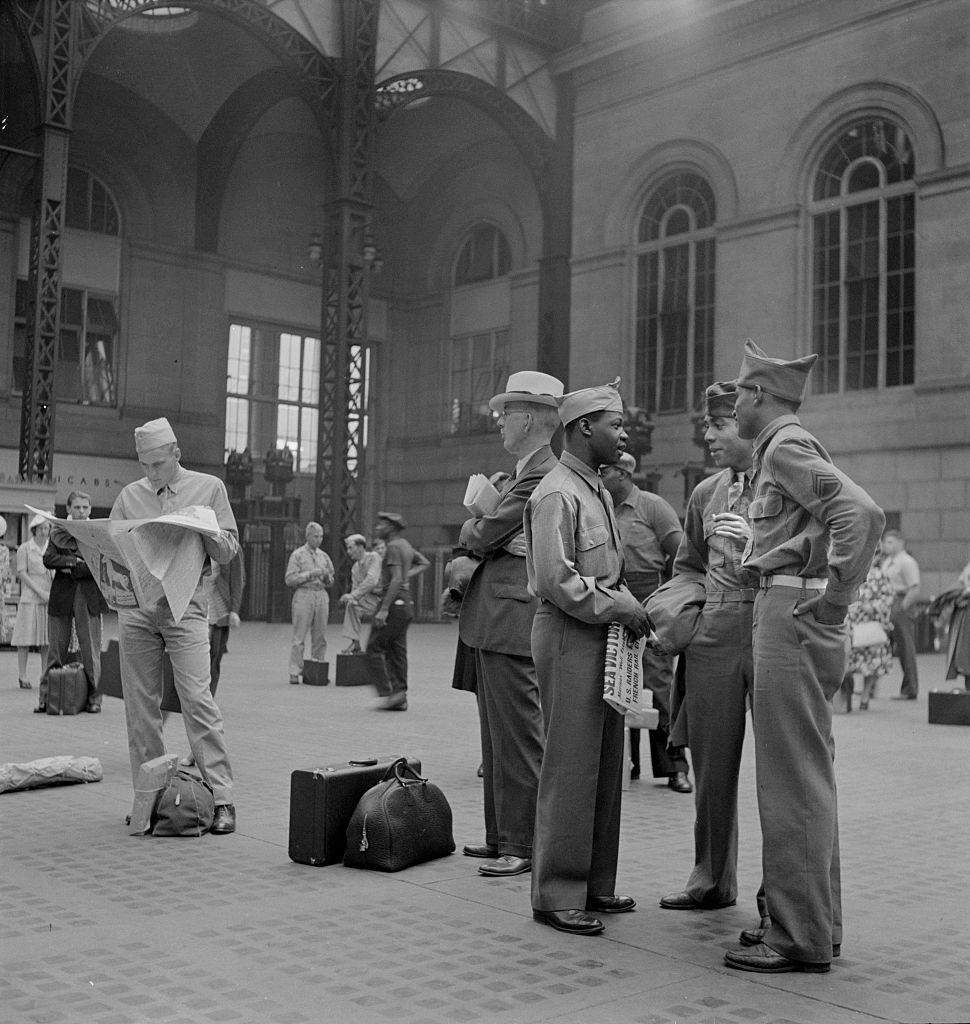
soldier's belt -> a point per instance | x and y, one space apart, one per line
745 596
799 582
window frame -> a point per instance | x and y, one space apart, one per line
462 418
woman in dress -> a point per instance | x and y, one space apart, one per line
30 629
958 651
873 604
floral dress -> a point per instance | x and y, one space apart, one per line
874 604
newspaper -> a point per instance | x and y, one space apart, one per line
623 686
137 562
481 497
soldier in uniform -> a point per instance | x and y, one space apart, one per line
814 533
574 562
719 671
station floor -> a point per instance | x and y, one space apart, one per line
99 927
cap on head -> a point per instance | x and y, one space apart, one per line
154 434
393 517
719 398
37 520
786 379
585 402
356 538
529 386
627 463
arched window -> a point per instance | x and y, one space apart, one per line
863 259
675 294
485 255
479 357
89 205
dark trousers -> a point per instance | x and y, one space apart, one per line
719 678
391 640
904 645
577 832
510 717
798 668
218 645
88 629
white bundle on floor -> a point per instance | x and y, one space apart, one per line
49 771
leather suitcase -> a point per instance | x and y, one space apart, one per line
322 802
360 670
111 685
949 707
316 673
67 689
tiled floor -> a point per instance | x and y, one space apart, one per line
102 928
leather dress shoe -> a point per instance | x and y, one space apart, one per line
575 922
506 865
41 709
224 821
611 904
684 901
394 702
904 696
294 680
752 936
762 959
93 709
679 783
486 851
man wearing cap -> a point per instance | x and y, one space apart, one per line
814 533
75 598
719 676
396 610
147 633
495 624
361 601
309 571
575 562
651 533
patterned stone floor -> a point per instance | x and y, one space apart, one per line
97 927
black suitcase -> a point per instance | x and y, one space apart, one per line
67 689
322 802
316 673
949 707
360 670
111 686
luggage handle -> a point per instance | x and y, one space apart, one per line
398 770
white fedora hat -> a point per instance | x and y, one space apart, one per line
529 386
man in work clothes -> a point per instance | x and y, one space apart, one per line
903 572
147 633
719 670
309 572
651 533
814 533
574 561
495 624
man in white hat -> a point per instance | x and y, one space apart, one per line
574 561
495 625
146 633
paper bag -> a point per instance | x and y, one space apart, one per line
153 777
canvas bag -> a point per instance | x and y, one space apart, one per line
186 807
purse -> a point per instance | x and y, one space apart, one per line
401 821
868 634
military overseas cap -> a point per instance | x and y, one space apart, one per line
782 378
719 398
605 398
153 434
627 463
529 386
393 517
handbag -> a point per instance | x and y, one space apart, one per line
401 821
868 634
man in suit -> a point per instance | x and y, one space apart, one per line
75 597
495 624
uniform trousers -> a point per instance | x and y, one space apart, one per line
904 644
391 640
89 634
354 627
218 645
145 633
720 676
577 834
799 664
510 716
310 612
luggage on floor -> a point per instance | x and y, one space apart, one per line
949 707
360 670
322 802
111 685
67 689
316 673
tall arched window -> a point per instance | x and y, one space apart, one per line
863 259
675 294
480 312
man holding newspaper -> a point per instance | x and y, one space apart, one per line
164 620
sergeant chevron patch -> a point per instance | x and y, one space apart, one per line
825 485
